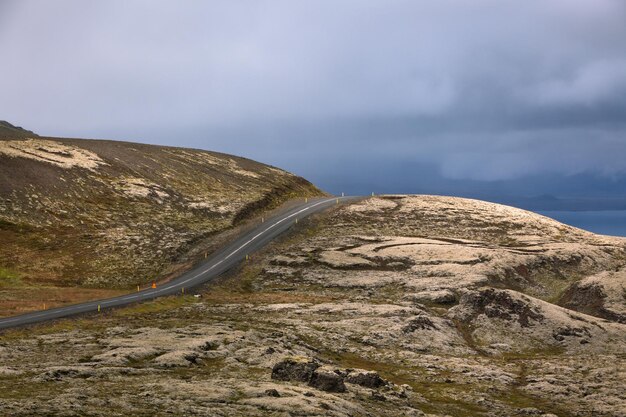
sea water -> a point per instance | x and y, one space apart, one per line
608 222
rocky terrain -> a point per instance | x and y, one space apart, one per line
90 218
391 306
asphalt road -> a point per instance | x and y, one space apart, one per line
216 264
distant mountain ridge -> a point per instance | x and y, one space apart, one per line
553 203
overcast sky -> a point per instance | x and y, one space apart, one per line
464 96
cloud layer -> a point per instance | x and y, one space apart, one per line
475 91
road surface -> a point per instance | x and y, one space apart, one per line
218 263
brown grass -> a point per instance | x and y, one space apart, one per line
15 301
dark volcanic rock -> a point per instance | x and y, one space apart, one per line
500 304
327 380
589 299
562 332
310 371
419 323
294 369
368 379
272 393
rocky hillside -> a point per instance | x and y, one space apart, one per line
110 215
392 306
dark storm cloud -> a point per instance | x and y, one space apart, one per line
404 95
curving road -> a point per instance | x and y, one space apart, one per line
218 263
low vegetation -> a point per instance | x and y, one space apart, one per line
392 306
90 218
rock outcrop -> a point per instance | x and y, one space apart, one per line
325 377
602 295
295 369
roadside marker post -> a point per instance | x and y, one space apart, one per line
262 219
137 288
205 255
337 201
182 290
98 308
296 220
247 257
306 199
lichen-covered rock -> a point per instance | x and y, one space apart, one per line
506 318
340 259
177 358
500 304
368 379
327 379
63 372
295 368
124 355
433 296
602 295
272 392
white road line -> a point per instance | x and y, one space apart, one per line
242 246
176 284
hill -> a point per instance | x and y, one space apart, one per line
390 306
106 216
8 131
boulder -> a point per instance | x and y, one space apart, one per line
327 379
368 379
296 368
324 378
272 393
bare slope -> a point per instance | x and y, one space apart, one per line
394 306
105 214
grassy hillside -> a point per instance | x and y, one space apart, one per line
110 215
